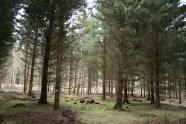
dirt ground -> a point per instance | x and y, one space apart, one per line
18 108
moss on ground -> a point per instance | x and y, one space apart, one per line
101 113
135 112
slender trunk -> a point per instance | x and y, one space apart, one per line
82 83
25 69
125 96
89 82
109 83
184 76
48 35
157 64
30 92
75 80
173 84
179 92
176 90
78 89
148 89
104 70
141 88
70 79
12 78
58 76
125 78
59 58
97 83
111 92
49 82
144 88
169 89
152 88
132 87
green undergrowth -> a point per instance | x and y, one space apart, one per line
29 106
103 113
83 108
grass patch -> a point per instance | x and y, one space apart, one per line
147 115
104 114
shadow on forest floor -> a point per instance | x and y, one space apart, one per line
135 113
18 108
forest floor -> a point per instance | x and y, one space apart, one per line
17 106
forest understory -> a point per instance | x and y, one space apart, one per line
17 108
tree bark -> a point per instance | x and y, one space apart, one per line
70 78
89 82
179 92
141 88
48 35
157 64
112 88
184 76
132 87
30 92
58 76
125 96
104 70
118 104
144 88
60 45
25 69
152 88
75 77
119 99
148 88
176 89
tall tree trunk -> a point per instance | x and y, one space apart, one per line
75 77
70 79
59 56
125 96
78 88
132 87
125 78
141 88
48 35
104 70
112 88
144 88
118 104
152 88
49 82
97 82
30 92
148 89
25 69
176 89
184 77
58 75
157 64
82 86
169 88
119 99
109 86
179 92
89 82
